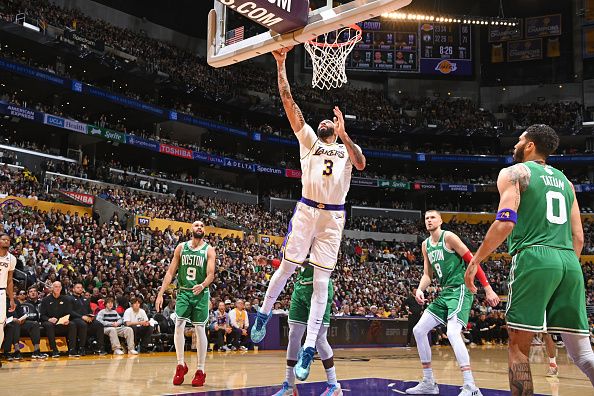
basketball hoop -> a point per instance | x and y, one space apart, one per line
328 56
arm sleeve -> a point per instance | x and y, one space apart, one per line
480 274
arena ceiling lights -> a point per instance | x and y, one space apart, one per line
466 19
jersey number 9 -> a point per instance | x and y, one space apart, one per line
191 274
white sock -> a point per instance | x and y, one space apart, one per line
428 373
179 340
553 361
290 377
468 378
331 375
319 300
277 284
202 345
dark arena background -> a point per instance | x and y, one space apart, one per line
116 135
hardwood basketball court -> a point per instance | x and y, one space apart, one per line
378 371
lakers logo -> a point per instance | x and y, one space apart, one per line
446 67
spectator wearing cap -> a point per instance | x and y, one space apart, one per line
113 327
136 318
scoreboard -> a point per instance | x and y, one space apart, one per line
411 47
447 41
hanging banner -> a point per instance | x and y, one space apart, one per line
541 26
524 50
505 33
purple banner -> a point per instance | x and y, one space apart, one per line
280 16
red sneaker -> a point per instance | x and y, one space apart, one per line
199 378
180 371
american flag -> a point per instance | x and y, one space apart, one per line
234 36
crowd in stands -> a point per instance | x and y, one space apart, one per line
121 270
374 110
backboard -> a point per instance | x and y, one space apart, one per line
229 41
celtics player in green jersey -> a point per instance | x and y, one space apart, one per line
444 254
298 315
194 264
539 215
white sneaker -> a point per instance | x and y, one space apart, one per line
425 387
242 348
133 352
118 352
470 390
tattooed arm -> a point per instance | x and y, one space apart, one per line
355 154
291 109
511 183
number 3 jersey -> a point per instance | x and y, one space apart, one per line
545 210
192 265
326 168
447 265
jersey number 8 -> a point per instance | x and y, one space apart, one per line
438 269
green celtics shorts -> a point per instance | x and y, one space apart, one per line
193 309
301 303
546 292
452 301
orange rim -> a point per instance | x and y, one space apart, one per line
355 39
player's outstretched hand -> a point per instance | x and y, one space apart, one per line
281 54
339 123
158 302
420 297
470 274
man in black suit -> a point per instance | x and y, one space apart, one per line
52 308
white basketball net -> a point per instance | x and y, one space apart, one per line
328 55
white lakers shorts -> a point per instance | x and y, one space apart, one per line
316 232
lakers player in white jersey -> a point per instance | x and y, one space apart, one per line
318 221
7 266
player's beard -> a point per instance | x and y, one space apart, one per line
519 154
198 235
326 132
